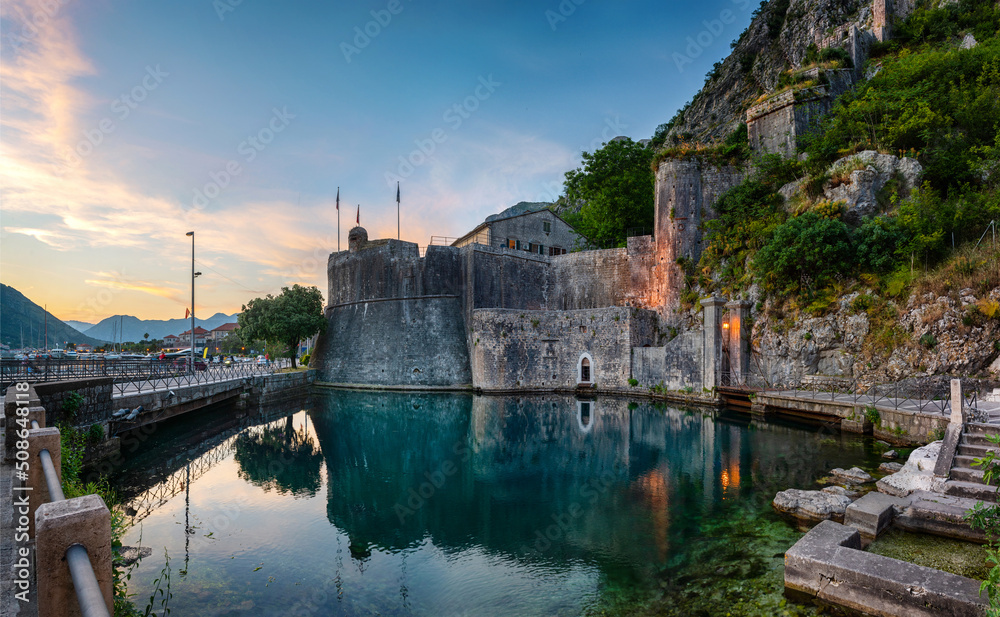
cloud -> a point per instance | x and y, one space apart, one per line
114 280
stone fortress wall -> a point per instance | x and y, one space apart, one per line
498 319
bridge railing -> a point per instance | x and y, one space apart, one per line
128 374
73 561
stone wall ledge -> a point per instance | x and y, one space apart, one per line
827 564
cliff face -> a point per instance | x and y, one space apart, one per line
777 39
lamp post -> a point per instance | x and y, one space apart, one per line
193 275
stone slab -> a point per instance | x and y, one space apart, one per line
942 515
827 564
946 456
872 514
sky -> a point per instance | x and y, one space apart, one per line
124 124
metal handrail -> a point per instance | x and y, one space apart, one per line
88 591
929 397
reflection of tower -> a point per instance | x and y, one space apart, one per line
708 456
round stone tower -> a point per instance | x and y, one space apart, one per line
356 238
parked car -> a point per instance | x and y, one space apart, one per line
182 363
263 361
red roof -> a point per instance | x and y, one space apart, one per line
226 327
197 331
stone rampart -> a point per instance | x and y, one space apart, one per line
543 350
686 192
96 392
415 342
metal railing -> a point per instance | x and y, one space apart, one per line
131 375
88 591
930 395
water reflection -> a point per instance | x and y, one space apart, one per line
281 458
449 504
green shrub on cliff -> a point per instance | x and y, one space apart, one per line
805 253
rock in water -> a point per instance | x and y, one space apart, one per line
916 474
811 505
891 454
890 467
854 475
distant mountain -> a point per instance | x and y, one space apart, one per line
128 328
19 317
79 326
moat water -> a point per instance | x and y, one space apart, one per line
417 504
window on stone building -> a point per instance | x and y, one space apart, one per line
547 226
555 250
511 243
585 370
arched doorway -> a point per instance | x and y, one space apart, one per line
585 370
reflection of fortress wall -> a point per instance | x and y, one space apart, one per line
531 350
548 435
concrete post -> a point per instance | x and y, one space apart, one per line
40 439
739 340
712 342
29 401
957 417
85 521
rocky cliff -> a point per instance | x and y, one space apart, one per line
779 38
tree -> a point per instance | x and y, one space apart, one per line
806 251
616 185
294 315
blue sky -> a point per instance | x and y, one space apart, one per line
125 124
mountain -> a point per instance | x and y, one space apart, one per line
128 328
79 326
20 316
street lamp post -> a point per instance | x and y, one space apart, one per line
193 275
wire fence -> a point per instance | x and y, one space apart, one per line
928 395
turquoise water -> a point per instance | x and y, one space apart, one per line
417 504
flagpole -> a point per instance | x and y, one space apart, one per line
397 210
338 219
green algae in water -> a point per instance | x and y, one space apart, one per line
961 558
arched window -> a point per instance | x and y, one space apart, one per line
585 370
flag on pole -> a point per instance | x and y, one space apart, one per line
187 313
397 191
359 215
338 199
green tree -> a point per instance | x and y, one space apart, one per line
615 186
806 251
294 315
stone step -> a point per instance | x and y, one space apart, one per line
966 474
971 490
966 461
975 451
976 438
936 514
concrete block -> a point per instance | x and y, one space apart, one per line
38 440
872 514
86 521
956 401
827 564
946 455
